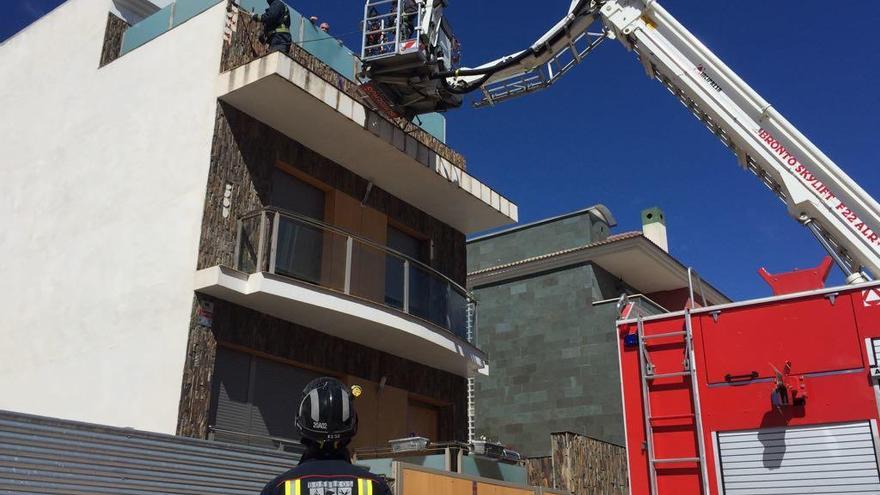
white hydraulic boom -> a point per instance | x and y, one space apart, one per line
816 192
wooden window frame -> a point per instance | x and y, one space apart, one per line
426 241
312 181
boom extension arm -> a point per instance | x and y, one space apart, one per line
562 47
816 192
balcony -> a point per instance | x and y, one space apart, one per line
314 99
316 275
328 49
312 95
290 98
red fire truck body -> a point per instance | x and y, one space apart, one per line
785 400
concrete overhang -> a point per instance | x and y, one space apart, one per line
291 99
630 257
345 317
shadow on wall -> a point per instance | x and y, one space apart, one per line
773 440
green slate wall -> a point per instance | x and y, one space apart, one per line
577 229
553 359
552 353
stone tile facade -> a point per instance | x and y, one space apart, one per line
243 328
244 154
112 39
581 466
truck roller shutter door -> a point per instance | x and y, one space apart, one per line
826 459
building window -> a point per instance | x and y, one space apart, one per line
300 245
413 247
429 296
254 400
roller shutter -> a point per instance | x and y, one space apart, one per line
254 400
837 458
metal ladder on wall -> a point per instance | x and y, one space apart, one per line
689 372
471 382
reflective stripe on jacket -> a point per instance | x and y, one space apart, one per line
295 487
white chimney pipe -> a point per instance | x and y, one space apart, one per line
654 227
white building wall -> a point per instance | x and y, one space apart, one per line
102 185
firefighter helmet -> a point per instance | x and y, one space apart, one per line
326 412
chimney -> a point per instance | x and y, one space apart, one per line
654 227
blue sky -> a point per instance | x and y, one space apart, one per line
607 134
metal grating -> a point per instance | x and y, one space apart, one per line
51 456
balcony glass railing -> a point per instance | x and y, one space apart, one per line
326 48
300 248
169 17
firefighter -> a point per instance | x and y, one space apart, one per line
327 421
276 26
374 27
410 17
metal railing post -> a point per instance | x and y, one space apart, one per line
239 229
406 286
364 35
273 245
398 22
261 250
702 290
448 315
691 285
349 259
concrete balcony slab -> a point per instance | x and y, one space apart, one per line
346 317
285 95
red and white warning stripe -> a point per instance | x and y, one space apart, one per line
409 46
872 298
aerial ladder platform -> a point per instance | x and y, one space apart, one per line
817 193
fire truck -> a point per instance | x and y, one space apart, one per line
770 396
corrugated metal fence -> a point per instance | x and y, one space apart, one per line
43 455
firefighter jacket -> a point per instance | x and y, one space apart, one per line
327 477
276 19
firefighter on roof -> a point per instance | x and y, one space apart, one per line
327 421
276 26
